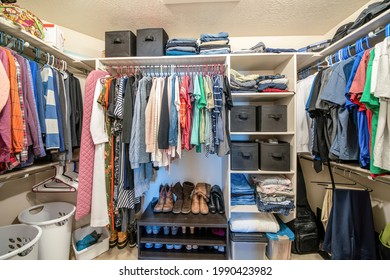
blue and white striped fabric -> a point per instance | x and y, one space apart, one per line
52 139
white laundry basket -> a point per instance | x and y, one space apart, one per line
55 219
19 242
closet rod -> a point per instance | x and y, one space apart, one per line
19 45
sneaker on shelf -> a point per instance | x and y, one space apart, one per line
174 230
177 246
183 229
216 247
192 230
169 246
148 245
166 230
158 245
221 249
156 229
195 247
149 229
189 247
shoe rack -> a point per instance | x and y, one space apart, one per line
202 236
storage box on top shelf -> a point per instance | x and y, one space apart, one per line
279 244
94 250
151 42
120 43
54 36
248 246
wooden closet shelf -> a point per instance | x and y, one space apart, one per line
170 219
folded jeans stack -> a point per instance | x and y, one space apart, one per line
182 46
242 193
274 194
240 82
214 43
272 83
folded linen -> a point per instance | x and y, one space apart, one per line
253 222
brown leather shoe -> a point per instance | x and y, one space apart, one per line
203 207
122 239
195 207
203 190
188 188
160 204
168 204
177 190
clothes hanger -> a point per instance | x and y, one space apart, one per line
56 184
70 172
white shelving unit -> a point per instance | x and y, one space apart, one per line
265 64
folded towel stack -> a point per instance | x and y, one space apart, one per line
182 46
214 43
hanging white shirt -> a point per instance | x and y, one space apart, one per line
99 207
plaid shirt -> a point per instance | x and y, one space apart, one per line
24 153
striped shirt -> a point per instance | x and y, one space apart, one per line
52 139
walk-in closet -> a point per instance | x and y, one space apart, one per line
195 130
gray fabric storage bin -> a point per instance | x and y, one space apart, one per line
272 118
151 42
244 156
275 157
243 119
120 43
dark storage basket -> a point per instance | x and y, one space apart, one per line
245 156
272 118
275 157
120 44
243 119
151 42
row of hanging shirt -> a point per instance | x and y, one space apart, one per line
149 120
349 105
40 111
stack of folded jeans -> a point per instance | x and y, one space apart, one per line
214 43
274 194
182 46
242 193
272 83
240 82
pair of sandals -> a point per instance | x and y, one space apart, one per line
216 203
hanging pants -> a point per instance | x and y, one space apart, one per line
350 233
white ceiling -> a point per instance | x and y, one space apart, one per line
239 18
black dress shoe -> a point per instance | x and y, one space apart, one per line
211 205
217 196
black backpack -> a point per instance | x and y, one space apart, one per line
304 226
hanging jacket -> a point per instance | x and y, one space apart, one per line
5 113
